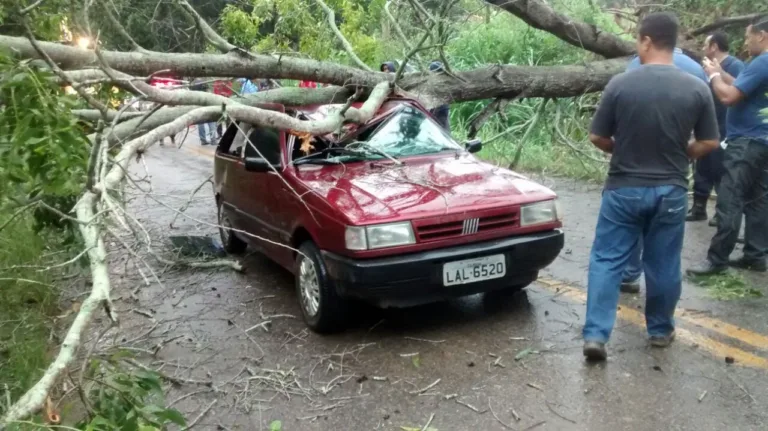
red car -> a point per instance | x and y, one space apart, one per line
394 212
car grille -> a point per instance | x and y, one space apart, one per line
452 227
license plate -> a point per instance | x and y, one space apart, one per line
474 270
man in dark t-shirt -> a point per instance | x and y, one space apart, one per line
634 269
743 188
645 120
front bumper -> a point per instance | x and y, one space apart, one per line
417 278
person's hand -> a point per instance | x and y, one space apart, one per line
712 66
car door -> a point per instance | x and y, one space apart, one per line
259 189
229 173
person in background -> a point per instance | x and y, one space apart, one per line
307 84
743 188
222 88
204 130
442 112
634 270
644 120
709 169
247 86
388 66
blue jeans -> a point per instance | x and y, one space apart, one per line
634 268
655 216
205 130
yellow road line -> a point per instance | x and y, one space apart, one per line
744 335
716 348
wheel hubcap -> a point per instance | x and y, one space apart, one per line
309 286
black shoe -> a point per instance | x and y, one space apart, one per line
595 351
630 287
664 341
698 211
749 265
706 268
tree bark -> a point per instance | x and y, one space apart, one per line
540 15
504 81
724 22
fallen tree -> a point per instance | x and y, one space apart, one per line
137 132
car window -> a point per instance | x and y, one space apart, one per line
238 144
409 132
227 141
263 142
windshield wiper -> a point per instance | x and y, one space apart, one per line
311 158
316 162
375 150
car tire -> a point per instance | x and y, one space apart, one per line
324 311
231 243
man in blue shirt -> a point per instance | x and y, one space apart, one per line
743 188
634 269
709 169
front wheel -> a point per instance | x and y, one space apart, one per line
323 310
231 243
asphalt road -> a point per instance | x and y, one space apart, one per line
489 362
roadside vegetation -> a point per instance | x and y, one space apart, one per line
728 286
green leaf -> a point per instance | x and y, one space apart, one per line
276 426
416 361
173 416
524 353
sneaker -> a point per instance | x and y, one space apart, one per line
630 286
706 268
662 341
595 351
749 265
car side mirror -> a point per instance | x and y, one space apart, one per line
259 165
473 146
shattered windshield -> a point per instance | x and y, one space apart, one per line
409 132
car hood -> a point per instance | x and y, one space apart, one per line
381 192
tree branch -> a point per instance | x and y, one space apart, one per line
210 34
199 65
399 30
540 15
120 29
496 106
724 22
344 42
286 96
481 83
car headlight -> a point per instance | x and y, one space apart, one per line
379 236
540 212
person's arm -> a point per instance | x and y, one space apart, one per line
745 84
604 121
601 142
729 76
726 93
706 134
